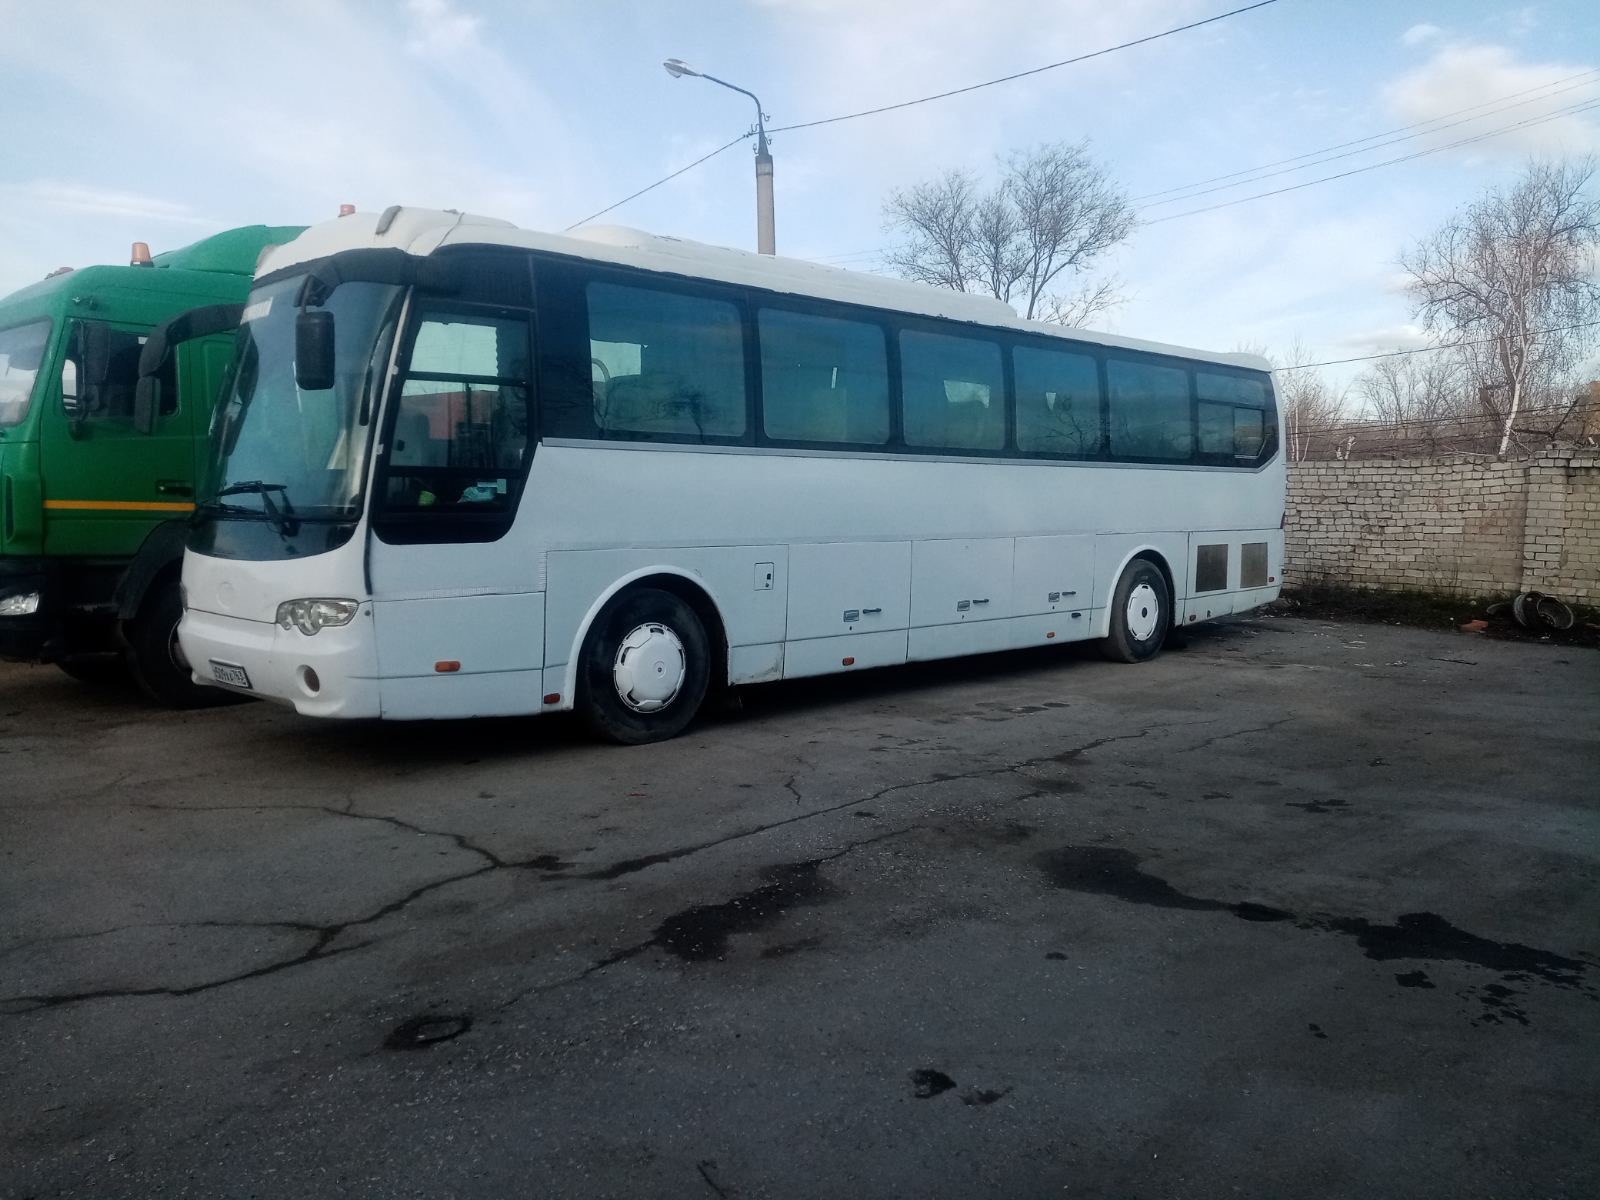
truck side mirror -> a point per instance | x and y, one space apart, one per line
146 403
94 346
313 350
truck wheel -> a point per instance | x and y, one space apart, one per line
99 670
155 657
1141 614
644 669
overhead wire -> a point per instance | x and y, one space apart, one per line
1385 133
1335 362
1572 110
1066 62
868 112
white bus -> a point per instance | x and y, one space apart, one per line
464 469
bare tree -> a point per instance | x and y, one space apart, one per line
1513 272
1417 393
1310 406
1054 211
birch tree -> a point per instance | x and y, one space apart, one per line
1514 273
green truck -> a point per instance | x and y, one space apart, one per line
101 453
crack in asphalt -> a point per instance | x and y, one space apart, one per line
1222 737
326 934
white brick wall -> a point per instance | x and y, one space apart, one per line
1470 527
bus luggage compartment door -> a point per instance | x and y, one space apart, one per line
849 603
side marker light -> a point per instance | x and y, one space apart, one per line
448 667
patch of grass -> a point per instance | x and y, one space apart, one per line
1429 610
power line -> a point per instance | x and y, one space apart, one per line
1334 362
973 87
1326 158
1388 162
1375 136
1529 122
924 100
664 179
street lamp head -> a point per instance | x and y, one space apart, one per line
677 68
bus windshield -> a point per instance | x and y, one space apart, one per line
21 352
278 448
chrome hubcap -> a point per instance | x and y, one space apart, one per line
1144 612
649 668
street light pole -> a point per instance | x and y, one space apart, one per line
766 237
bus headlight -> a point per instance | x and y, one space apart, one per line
308 616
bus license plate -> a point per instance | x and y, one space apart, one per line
230 674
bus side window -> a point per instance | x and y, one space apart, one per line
823 379
1150 417
1238 423
460 427
953 392
1058 403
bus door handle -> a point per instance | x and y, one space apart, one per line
174 487
871 612
985 600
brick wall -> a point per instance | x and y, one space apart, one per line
1470 527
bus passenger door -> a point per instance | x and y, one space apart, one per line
458 601
849 603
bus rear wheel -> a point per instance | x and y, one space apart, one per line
1141 614
644 669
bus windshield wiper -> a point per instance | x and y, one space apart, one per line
281 519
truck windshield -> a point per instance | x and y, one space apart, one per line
302 452
21 352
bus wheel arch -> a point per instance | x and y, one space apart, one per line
1141 608
648 658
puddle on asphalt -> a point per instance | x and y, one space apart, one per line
701 933
1425 936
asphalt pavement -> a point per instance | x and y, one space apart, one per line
1297 909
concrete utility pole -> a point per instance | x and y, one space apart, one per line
766 236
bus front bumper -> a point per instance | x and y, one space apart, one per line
332 673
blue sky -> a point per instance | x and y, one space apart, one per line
163 122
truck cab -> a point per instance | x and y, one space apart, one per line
98 474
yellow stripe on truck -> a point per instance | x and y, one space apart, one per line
121 505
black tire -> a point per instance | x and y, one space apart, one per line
1137 630
154 658
97 671
666 633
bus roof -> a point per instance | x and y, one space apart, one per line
421 231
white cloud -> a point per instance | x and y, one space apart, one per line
58 196
1463 76
437 28
1383 339
1418 34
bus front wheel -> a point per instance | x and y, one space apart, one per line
645 668
1141 614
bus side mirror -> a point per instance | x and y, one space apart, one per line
313 350
146 403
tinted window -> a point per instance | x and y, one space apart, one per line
823 379
114 398
664 364
1236 418
1058 402
461 420
1149 410
953 392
